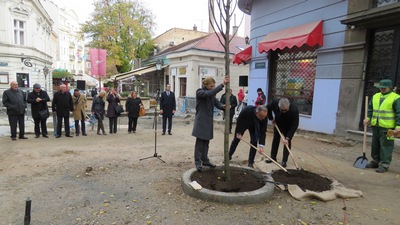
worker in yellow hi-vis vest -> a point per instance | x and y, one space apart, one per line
383 114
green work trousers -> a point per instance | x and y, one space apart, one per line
382 147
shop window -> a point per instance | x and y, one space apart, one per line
4 78
23 80
293 76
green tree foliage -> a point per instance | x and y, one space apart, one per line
60 73
123 28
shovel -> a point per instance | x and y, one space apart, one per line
362 161
287 147
279 165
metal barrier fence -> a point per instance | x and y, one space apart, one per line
188 105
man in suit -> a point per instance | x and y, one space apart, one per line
253 119
167 108
62 105
14 99
233 103
286 117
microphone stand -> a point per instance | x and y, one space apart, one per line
155 132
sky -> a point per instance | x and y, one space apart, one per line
167 13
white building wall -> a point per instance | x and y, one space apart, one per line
31 56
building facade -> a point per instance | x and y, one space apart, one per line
183 67
26 34
324 55
70 53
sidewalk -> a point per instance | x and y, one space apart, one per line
29 124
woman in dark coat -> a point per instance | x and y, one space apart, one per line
203 123
38 100
98 106
132 106
113 100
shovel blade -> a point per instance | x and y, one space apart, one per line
361 162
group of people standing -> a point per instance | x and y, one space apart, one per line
64 104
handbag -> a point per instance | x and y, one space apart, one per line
43 114
119 109
142 111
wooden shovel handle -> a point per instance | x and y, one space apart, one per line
287 146
279 165
365 126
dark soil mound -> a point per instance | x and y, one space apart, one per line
213 179
306 180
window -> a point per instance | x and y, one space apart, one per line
293 76
182 86
4 78
19 32
23 80
380 3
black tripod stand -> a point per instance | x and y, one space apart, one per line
155 132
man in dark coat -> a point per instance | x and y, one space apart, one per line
204 123
62 105
14 99
253 119
233 101
38 100
167 108
286 117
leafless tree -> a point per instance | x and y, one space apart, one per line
221 25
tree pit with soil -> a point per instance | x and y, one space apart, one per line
306 180
214 179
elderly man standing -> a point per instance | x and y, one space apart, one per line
79 102
40 111
62 105
383 114
286 118
14 99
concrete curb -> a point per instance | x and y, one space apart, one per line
230 198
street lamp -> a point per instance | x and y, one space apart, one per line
159 65
45 72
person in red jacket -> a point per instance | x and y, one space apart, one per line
260 98
240 98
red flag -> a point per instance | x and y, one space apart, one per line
98 62
93 62
102 58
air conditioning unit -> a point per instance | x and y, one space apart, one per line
172 43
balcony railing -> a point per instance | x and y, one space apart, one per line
71 57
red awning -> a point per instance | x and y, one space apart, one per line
243 56
310 34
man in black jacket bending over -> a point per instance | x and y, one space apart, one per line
286 117
253 119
